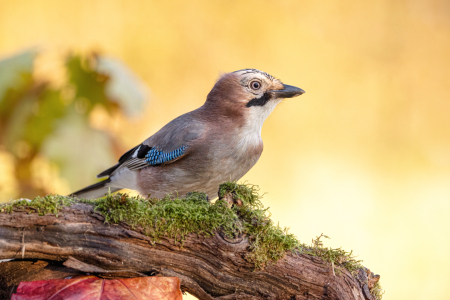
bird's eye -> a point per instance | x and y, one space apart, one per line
255 85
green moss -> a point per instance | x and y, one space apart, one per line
377 291
179 217
173 218
267 241
248 193
50 204
337 257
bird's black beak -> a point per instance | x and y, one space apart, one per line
289 91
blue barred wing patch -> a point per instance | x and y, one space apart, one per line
155 157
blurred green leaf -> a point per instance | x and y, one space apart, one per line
89 85
46 111
41 118
15 71
14 128
79 151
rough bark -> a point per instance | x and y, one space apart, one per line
77 241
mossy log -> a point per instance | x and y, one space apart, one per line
78 241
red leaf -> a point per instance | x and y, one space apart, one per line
91 287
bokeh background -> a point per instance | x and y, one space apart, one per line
363 156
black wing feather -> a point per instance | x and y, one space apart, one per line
128 154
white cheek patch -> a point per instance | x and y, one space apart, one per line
256 115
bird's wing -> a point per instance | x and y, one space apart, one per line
171 143
144 156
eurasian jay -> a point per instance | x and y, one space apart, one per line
198 151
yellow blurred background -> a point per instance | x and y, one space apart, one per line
363 156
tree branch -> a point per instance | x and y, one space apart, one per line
209 268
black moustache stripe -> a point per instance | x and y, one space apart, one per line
261 101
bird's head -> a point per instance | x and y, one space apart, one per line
249 93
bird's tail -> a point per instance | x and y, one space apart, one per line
96 190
